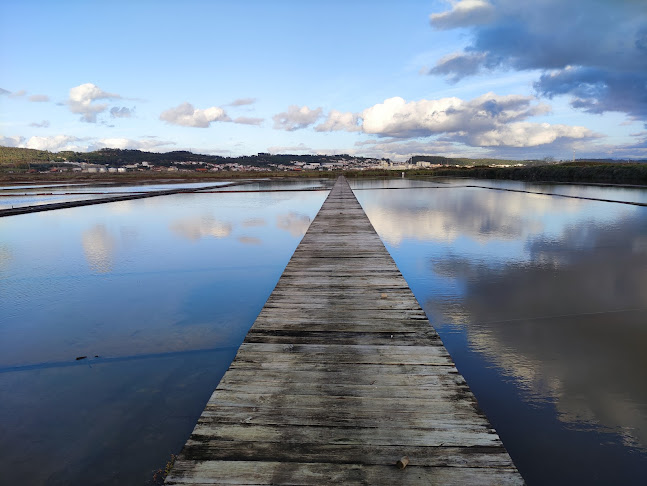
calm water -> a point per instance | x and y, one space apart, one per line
36 195
542 303
158 294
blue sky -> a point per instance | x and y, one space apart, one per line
496 78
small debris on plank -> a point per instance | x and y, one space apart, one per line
402 463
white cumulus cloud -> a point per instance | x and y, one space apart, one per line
57 143
54 143
464 13
339 121
13 141
397 118
82 101
247 120
147 144
188 116
296 118
525 134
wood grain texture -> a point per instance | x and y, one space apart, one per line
341 376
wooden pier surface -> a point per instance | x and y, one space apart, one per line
341 376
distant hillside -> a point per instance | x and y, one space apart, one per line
16 157
21 157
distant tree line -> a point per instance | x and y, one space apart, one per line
581 171
18 157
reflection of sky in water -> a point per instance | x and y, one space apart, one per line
162 290
630 194
39 186
19 201
293 184
19 196
541 302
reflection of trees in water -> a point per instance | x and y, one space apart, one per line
99 247
200 227
296 223
569 324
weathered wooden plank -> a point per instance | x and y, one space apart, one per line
451 437
213 449
432 419
362 378
339 377
327 337
321 368
293 473
462 401
300 360
323 325
439 392
336 312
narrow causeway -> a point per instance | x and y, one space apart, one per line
342 379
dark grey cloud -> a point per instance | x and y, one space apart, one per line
458 66
4 92
598 90
592 50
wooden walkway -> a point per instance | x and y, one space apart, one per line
341 376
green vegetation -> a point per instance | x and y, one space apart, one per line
22 158
439 159
582 171
16 163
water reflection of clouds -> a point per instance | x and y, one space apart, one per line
99 247
254 222
446 214
295 223
249 240
573 333
5 257
200 227
122 206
